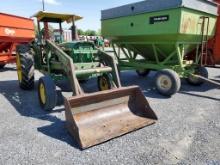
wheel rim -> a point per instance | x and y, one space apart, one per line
164 83
42 93
19 70
103 83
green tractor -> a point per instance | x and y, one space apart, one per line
91 118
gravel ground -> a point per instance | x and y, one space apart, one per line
187 132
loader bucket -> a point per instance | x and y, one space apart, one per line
95 118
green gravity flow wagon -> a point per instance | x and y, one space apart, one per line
158 34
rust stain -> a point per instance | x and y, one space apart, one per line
188 25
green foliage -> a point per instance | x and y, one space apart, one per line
41 32
80 32
51 29
87 32
90 33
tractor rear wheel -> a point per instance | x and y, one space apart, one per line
47 93
167 82
143 73
104 82
2 66
25 67
201 71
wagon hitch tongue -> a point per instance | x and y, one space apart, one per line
95 118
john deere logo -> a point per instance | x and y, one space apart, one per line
9 32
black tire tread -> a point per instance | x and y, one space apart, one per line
175 80
27 67
51 93
202 71
108 81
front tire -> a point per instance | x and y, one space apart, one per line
167 82
47 93
25 67
201 71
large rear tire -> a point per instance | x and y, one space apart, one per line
47 93
2 66
25 67
201 71
104 82
167 82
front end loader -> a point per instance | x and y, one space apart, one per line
91 118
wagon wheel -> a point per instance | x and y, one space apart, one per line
143 72
25 67
47 93
167 82
104 82
201 71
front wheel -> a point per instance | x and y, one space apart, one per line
167 82
201 71
104 82
47 93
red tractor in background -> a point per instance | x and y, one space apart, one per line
14 30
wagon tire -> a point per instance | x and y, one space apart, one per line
167 82
201 71
143 73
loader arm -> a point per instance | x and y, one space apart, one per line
110 61
69 67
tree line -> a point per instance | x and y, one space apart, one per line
80 31
89 32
